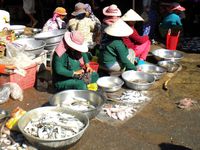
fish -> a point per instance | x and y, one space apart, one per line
118 112
78 103
54 125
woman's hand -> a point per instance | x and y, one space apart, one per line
79 72
88 68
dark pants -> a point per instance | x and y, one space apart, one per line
75 83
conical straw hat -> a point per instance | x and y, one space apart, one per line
131 15
119 29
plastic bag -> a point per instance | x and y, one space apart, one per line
16 92
16 114
4 94
13 49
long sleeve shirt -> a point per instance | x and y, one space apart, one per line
64 66
134 39
113 51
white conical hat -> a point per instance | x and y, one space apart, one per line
131 15
119 29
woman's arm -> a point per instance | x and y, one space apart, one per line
122 53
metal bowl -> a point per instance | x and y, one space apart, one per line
57 143
130 76
170 66
32 46
51 46
18 29
94 99
51 37
165 54
155 70
110 83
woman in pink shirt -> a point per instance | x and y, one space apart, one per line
140 44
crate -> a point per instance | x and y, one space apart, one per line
24 82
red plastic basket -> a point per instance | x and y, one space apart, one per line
172 40
94 66
24 82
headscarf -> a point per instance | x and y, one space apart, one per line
88 8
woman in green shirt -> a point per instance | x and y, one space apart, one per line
70 64
114 55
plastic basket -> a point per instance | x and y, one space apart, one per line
24 82
172 40
94 66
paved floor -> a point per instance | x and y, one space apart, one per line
160 125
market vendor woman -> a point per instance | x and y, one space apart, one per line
114 55
70 63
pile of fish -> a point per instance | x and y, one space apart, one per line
78 104
12 141
128 103
117 111
54 125
133 97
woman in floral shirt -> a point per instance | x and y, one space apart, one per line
56 22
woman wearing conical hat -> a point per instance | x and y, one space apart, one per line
139 44
114 55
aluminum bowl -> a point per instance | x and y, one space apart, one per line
58 143
170 66
94 98
110 83
155 70
165 54
32 46
130 76
18 29
51 37
51 46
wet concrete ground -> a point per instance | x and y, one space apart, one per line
160 125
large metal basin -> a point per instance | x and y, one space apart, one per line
170 66
110 83
51 46
51 37
94 99
165 54
48 144
32 46
155 70
130 76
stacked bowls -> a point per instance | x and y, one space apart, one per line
51 38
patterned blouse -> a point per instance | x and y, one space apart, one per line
54 25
